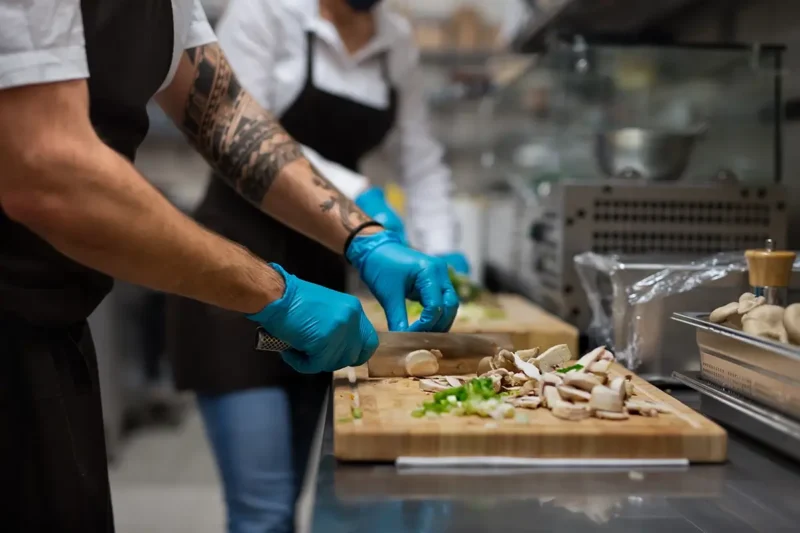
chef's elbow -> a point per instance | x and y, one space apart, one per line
37 185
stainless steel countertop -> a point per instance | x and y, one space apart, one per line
757 490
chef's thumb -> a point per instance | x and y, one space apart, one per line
369 337
394 305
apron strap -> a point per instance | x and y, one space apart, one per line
311 40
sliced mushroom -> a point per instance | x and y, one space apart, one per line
484 366
526 402
530 387
551 378
581 380
496 372
572 394
515 380
630 388
552 397
600 367
721 314
422 363
430 385
791 321
588 359
749 301
607 356
641 407
504 359
572 412
611 415
766 321
553 358
607 399
528 369
497 382
527 355
618 386
454 381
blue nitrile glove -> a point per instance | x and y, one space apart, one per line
373 203
457 261
327 329
394 272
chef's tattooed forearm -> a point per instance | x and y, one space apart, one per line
245 143
241 140
350 215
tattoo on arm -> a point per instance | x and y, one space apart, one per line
350 215
242 141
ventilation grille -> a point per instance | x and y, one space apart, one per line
632 242
682 212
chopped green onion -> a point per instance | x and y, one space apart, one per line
470 398
357 413
569 369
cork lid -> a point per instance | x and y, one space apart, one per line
770 267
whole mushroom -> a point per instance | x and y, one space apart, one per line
721 314
749 301
421 363
766 321
791 321
484 366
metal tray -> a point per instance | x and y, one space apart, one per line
736 412
765 371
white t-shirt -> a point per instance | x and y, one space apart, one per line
265 42
42 41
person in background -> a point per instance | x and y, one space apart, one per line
353 66
75 79
343 78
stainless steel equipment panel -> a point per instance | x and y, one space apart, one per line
637 218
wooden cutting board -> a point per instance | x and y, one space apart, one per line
528 324
388 431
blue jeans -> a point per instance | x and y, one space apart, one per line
252 439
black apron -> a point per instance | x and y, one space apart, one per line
52 442
212 349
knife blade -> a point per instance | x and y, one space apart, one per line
461 352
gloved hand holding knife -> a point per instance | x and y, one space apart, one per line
329 330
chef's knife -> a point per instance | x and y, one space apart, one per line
461 352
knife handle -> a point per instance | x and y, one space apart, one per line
267 343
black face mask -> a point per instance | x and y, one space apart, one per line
363 5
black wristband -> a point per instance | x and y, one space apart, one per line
355 232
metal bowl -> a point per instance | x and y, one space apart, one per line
644 154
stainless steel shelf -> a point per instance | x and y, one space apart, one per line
592 17
737 412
